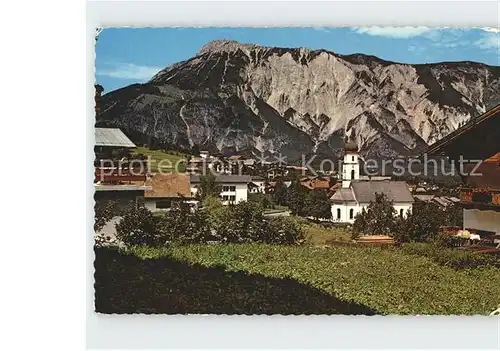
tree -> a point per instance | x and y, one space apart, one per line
295 198
317 204
104 213
423 222
264 199
453 216
208 187
183 225
279 193
379 217
195 150
139 227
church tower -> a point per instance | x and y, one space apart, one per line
350 165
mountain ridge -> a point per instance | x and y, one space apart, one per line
296 101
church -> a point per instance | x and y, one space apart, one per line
357 193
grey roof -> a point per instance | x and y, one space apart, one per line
120 187
258 178
343 195
224 178
395 191
112 137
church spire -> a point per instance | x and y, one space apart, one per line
350 165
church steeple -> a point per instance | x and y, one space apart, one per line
350 165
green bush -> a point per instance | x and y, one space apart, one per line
284 230
139 227
453 258
240 223
182 225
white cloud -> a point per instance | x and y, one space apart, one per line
129 71
394 32
490 29
321 29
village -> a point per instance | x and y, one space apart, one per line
365 223
343 194
295 190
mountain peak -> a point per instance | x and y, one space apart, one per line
225 45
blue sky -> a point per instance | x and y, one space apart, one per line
133 55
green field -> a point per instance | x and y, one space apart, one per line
269 279
167 161
316 234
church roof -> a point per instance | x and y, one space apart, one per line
364 192
396 191
351 147
343 195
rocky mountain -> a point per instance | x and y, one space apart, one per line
249 98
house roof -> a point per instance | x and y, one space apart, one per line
121 187
112 137
223 178
316 183
396 191
236 157
168 185
456 135
258 179
493 159
487 174
343 195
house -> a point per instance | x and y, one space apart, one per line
253 188
276 172
236 158
167 189
257 185
116 177
271 186
318 182
249 162
234 188
205 163
260 182
480 194
355 194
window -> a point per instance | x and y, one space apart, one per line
225 198
232 198
225 188
338 213
401 212
351 213
353 159
163 204
232 188
352 174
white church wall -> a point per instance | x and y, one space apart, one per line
345 211
402 208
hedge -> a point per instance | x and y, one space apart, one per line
273 279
